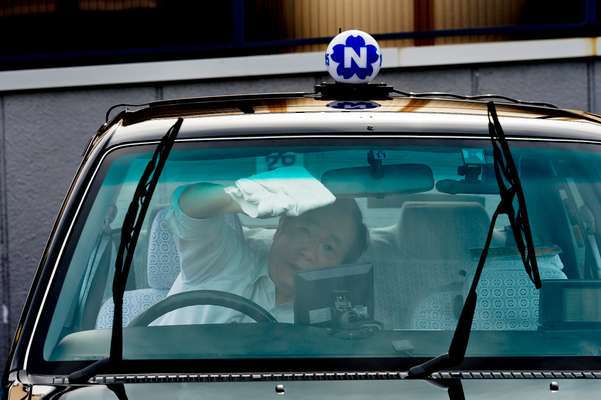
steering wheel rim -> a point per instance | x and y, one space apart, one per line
202 298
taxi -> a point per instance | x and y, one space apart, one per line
353 242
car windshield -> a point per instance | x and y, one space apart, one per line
330 248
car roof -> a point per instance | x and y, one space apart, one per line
300 113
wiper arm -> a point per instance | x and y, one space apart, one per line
510 191
130 231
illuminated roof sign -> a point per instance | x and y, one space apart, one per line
353 57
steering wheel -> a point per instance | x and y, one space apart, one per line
200 298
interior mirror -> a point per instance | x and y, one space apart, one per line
380 181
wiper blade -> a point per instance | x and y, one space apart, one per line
510 191
130 231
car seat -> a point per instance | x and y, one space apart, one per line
432 254
162 268
507 299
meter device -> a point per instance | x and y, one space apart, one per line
570 304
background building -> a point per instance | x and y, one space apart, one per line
63 63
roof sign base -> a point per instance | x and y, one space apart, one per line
360 91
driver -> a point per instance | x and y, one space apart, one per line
315 230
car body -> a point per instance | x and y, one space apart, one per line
423 223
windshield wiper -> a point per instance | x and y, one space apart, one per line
453 387
510 191
130 231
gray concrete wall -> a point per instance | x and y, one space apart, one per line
42 136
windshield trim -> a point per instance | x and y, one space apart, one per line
310 364
110 150
366 136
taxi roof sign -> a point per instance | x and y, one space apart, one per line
353 56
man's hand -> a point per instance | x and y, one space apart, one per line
284 191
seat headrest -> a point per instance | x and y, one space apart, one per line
441 230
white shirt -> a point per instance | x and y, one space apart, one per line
216 254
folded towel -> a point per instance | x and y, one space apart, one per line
289 190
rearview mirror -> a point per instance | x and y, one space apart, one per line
375 182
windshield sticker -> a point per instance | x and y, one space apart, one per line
278 160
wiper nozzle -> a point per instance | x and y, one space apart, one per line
84 374
434 364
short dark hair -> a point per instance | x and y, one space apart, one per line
349 206
362 233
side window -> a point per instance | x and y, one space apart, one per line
579 196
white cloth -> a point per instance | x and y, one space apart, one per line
289 190
216 255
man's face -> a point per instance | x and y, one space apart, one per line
318 238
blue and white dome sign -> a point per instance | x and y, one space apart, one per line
353 57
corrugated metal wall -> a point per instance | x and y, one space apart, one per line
454 14
32 7
26 7
321 18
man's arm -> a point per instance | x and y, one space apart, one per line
288 190
207 231
205 200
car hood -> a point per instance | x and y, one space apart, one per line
380 389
